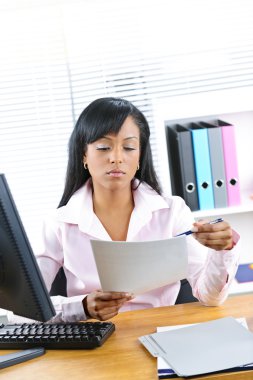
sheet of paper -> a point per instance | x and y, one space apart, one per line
138 267
3 316
203 348
164 371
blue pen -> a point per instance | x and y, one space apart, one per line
191 232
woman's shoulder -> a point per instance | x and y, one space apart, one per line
174 200
166 200
70 213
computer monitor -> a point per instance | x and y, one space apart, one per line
22 288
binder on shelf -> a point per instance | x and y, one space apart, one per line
181 163
217 164
230 160
244 273
202 166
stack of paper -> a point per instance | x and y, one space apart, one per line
220 345
165 372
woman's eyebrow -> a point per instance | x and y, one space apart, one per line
131 137
110 138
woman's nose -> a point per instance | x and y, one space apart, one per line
116 156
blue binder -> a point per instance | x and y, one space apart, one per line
217 163
202 166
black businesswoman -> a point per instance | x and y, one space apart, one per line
112 193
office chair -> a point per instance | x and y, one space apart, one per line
59 285
185 293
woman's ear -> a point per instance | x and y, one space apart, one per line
85 162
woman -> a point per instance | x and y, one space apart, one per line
112 192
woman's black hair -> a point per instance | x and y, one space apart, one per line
99 118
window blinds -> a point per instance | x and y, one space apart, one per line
58 56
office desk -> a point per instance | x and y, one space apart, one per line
122 357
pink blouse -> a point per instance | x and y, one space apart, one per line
66 242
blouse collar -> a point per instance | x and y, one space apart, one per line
79 210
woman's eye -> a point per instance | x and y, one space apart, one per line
129 148
102 148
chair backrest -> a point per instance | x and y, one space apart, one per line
185 293
59 285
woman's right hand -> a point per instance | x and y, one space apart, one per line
105 305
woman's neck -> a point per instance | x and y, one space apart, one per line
114 212
113 201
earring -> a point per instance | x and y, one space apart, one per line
138 166
85 165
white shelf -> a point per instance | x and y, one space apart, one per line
245 206
239 288
236 107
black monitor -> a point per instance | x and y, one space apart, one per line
22 288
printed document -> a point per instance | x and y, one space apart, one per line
138 267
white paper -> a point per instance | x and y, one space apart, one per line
3 316
138 267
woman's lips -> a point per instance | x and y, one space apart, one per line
115 173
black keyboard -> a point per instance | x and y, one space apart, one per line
74 335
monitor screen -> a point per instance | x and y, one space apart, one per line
22 288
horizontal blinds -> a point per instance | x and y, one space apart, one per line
36 108
58 56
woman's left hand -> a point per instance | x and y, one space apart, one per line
217 236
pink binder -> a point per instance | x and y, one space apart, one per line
230 161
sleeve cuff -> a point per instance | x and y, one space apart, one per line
69 309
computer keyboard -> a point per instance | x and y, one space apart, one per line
74 335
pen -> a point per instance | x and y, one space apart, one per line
211 222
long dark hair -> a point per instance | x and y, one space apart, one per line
99 118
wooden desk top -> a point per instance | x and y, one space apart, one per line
122 356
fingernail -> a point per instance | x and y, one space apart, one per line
194 229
